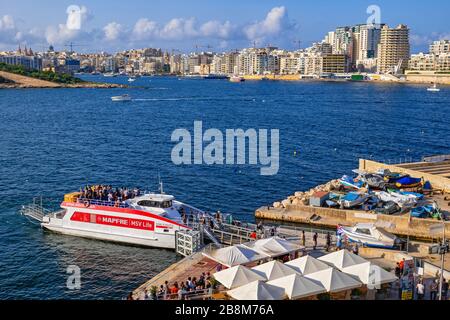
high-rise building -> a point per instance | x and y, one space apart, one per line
393 50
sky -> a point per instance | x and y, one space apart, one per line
204 25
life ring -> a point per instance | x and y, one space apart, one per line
87 204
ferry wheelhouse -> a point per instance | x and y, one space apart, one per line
148 220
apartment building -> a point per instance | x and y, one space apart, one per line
394 49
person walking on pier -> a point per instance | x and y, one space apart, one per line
444 289
315 236
434 287
420 290
328 242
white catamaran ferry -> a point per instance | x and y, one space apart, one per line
150 219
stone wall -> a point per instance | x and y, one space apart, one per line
401 225
436 181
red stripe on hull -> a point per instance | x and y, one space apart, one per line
113 221
122 210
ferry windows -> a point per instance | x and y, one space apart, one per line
155 204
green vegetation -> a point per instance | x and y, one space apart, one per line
42 75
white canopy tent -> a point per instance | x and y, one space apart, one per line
307 264
370 274
334 281
274 247
257 290
297 287
234 256
273 270
237 276
342 259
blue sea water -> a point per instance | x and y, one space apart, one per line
55 140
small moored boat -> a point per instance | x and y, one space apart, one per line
369 235
237 79
434 88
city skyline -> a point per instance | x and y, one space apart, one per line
205 25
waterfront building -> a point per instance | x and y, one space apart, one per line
430 62
335 63
439 47
369 37
313 64
394 49
31 63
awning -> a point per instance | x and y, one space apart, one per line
334 280
274 247
273 270
370 274
257 290
235 255
307 264
237 276
342 259
297 287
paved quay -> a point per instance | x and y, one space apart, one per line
438 173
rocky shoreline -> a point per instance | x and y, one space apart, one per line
302 198
63 86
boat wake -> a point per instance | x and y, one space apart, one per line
196 99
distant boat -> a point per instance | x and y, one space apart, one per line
110 75
122 98
434 88
237 79
215 76
132 79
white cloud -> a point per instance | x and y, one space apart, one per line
145 29
274 24
7 23
217 29
113 31
179 28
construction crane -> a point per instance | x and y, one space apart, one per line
197 46
71 45
298 43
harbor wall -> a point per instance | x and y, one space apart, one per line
402 225
438 182
427 77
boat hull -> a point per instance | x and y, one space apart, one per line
118 224
163 242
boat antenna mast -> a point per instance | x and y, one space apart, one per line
161 185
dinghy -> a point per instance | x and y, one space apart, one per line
408 182
369 235
353 199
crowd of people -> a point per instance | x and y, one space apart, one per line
108 193
182 291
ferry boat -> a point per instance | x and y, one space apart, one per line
150 220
